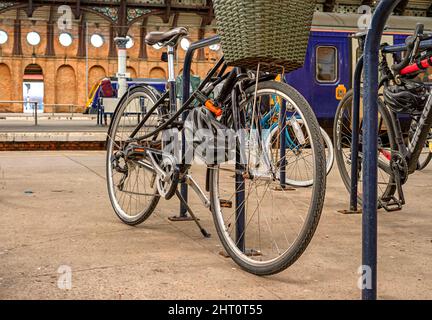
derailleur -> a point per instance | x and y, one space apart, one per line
121 166
164 167
121 163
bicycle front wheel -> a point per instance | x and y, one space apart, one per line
343 144
425 159
426 155
264 224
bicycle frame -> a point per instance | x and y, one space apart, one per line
178 113
412 151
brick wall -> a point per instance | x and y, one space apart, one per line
65 73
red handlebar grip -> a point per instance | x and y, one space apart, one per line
426 63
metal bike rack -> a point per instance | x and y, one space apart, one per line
370 143
355 137
183 216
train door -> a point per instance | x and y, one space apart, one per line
326 76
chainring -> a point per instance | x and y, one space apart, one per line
167 189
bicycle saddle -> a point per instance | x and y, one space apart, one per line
170 37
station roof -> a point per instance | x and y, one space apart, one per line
406 7
120 13
168 13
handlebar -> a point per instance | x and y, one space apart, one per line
424 45
412 44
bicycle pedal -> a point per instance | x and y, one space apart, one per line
226 204
391 205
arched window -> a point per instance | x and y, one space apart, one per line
157 73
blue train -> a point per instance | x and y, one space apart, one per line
332 55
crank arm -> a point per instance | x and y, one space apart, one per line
146 166
385 167
161 174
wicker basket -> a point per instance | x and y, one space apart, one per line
274 33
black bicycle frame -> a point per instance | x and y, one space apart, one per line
413 151
177 115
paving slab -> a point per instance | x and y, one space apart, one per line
54 212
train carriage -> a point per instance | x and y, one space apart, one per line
332 55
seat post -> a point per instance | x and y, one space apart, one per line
172 80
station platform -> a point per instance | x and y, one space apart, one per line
55 212
52 132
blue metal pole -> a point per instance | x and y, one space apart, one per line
241 163
370 145
283 141
355 136
240 204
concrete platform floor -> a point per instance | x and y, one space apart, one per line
54 211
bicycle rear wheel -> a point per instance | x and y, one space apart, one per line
263 224
131 184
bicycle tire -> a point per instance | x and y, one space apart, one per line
145 213
423 164
339 153
316 203
330 153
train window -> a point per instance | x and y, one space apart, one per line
326 64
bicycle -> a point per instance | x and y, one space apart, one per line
270 123
398 154
426 155
262 223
